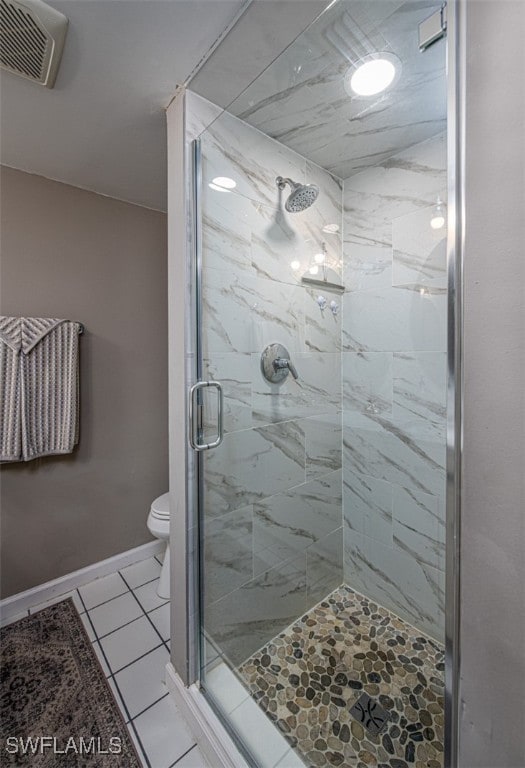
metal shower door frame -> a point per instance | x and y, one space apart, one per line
456 66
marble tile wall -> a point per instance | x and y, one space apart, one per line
300 99
362 429
394 384
273 489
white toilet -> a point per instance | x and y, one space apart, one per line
159 526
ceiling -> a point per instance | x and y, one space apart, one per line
300 99
103 125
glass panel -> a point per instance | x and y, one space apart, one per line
322 512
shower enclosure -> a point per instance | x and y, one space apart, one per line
317 396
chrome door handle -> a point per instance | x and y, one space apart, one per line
193 420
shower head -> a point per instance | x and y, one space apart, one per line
301 197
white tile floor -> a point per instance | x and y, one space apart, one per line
128 625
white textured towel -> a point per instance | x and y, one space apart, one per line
10 391
39 387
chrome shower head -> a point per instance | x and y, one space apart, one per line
301 197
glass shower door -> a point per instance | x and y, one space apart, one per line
271 492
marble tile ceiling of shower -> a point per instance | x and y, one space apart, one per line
300 98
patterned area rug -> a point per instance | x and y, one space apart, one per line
351 684
56 708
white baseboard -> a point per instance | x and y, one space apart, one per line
214 741
12 606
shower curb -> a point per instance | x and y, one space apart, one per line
211 736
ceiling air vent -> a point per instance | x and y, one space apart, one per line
32 36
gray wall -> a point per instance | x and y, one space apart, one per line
74 254
493 520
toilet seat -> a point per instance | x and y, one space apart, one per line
160 508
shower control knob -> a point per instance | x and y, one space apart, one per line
322 302
334 306
276 364
283 362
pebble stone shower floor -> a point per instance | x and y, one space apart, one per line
309 677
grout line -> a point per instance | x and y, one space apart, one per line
139 658
96 643
184 755
138 586
122 705
156 607
96 640
142 711
146 758
144 612
116 685
104 602
112 631
80 599
134 589
169 638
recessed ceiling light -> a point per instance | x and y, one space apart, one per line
372 75
222 184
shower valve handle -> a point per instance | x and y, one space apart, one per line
283 362
276 364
